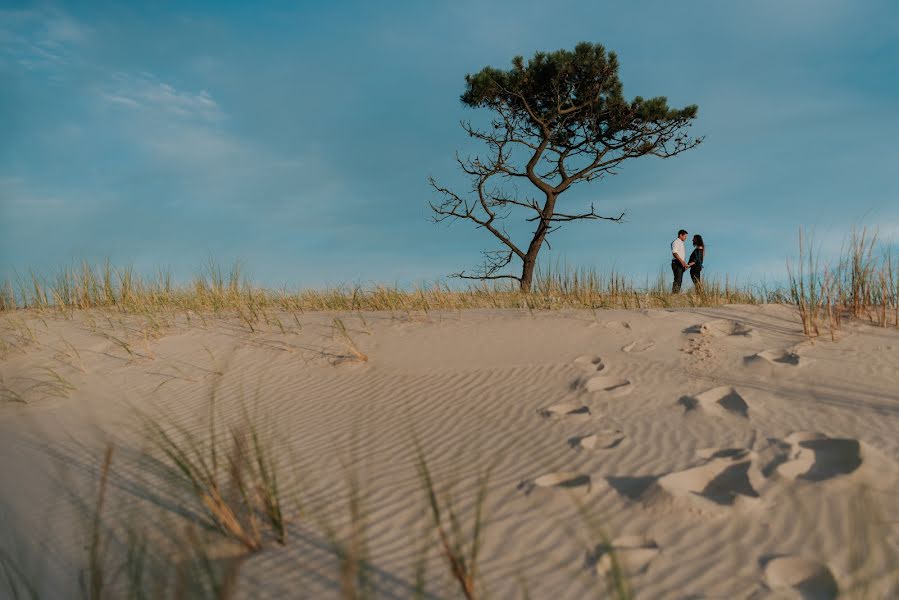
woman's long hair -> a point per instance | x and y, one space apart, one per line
697 241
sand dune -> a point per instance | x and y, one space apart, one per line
707 452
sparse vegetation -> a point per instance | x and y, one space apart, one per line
861 284
35 383
339 330
159 300
806 287
233 476
460 546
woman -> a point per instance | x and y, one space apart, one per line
695 262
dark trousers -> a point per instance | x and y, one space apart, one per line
678 270
696 276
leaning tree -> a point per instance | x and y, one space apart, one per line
559 119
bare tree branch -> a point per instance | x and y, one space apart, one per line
560 217
494 260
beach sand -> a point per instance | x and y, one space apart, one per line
719 452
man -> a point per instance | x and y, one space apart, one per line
679 262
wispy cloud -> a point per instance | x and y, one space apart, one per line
40 39
187 136
145 92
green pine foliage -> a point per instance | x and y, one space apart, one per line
572 93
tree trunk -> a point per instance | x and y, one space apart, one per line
527 274
530 259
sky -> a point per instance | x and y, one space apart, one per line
297 137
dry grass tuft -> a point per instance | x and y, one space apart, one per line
460 546
339 329
239 494
861 284
806 288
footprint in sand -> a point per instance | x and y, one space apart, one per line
618 325
776 358
590 363
728 478
601 440
638 346
722 401
721 328
817 457
562 480
630 553
615 386
811 579
570 411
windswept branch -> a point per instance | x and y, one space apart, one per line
494 260
455 207
592 214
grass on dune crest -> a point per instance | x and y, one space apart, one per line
862 282
215 290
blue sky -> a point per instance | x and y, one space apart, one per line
298 136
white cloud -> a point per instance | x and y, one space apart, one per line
146 92
40 39
117 99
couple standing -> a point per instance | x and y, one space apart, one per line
679 262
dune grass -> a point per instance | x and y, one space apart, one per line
214 291
340 331
459 545
233 476
863 282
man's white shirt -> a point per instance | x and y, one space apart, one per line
677 247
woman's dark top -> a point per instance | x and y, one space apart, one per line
696 257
